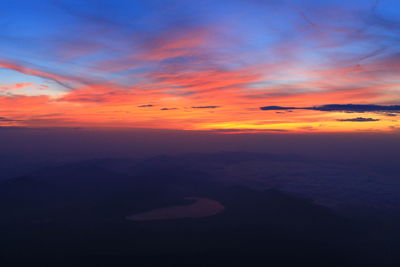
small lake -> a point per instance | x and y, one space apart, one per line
202 207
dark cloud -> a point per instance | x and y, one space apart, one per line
168 108
206 107
7 119
145 106
277 108
359 119
342 108
358 108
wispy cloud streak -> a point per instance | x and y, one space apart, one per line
105 62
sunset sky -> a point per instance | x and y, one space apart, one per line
228 66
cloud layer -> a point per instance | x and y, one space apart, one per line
210 64
342 108
359 119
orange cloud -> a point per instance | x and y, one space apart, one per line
16 86
178 69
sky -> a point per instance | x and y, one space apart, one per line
237 66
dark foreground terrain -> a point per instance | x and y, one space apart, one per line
76 214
